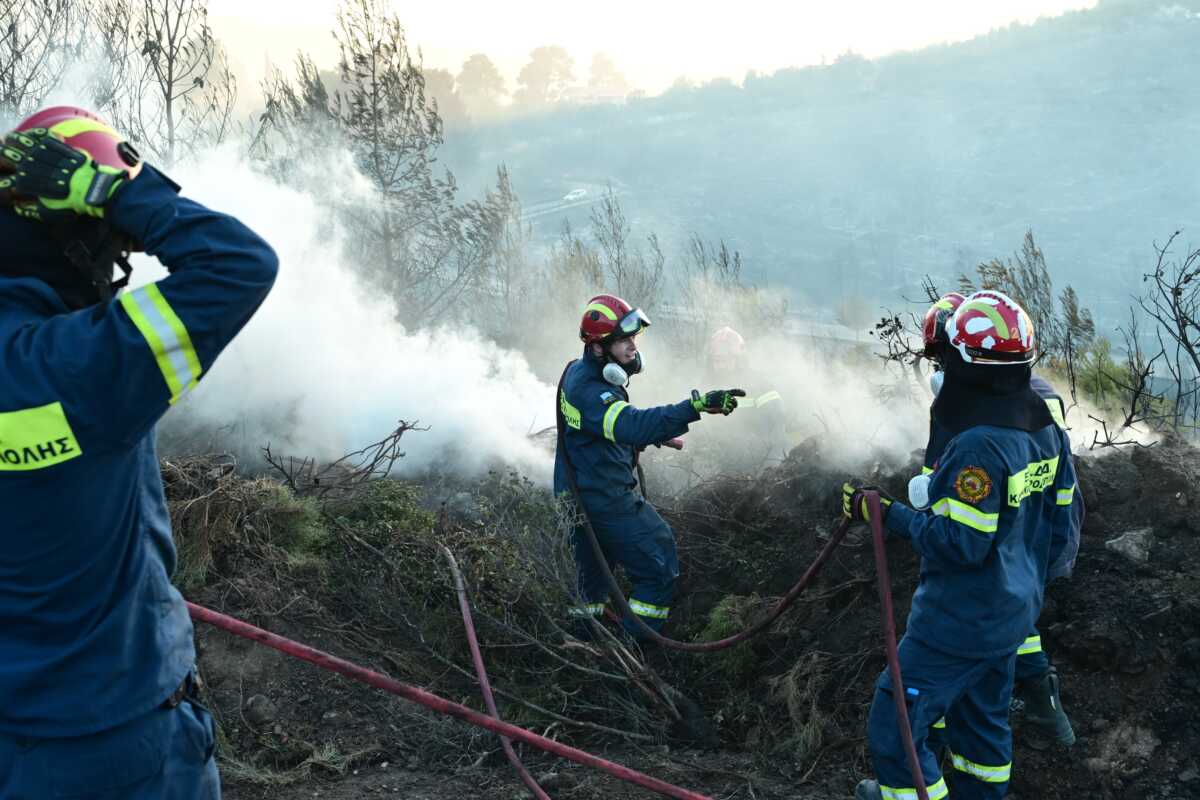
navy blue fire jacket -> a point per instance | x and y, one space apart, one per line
604 434
1001 513
92 634
1064 563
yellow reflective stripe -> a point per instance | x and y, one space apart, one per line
569 412
769 397
1036 477
589 610
1000 774
990 312
610 419
77 125
36 438
167 337
967 514
648 610
1066 496
935 791
1033 644
941 723
944 305
926 470
1056 412
603 309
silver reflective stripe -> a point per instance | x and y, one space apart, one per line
167 337
648 610
1000 774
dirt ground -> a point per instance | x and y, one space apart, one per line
788 709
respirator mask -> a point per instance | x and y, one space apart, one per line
619 374
935 382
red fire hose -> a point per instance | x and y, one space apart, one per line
485 686
507 731
434 702
889 640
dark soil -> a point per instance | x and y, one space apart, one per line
789 708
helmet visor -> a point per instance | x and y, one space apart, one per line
632 323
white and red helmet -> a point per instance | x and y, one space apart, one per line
991 328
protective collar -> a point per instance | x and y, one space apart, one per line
76 260
974 394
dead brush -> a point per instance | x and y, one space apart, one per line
799 690
214 511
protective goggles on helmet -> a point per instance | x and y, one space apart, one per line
632 324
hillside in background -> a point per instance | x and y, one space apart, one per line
1082 128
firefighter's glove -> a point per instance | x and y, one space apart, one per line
854 502
45 179
719 401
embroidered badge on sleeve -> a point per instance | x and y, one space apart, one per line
973 484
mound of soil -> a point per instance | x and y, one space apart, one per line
790 707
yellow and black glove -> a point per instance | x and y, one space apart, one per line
854 502
45 179
720 401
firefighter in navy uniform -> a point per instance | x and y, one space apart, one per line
603 435
1036 679
97 695
1001 496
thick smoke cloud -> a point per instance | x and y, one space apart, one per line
323 368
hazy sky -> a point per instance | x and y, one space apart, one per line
652 41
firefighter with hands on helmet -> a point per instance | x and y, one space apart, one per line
98 695
1036 679
1000 495
602 435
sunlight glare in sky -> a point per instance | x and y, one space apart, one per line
653 42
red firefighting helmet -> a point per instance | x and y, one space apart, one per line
85 131
990 328
934 327
608 317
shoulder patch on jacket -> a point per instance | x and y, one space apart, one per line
973 484
607 398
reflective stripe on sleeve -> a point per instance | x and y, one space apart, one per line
967 514
941 723
935 791
1031 645
162 329
1000 774
610 419
648 610
1066 496
589 610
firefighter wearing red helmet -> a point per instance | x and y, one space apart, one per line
602 437
97 683
1000 498
1036 679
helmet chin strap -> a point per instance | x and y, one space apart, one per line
96 259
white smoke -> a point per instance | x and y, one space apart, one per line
323 368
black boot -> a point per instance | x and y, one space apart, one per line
1043 708
868 790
